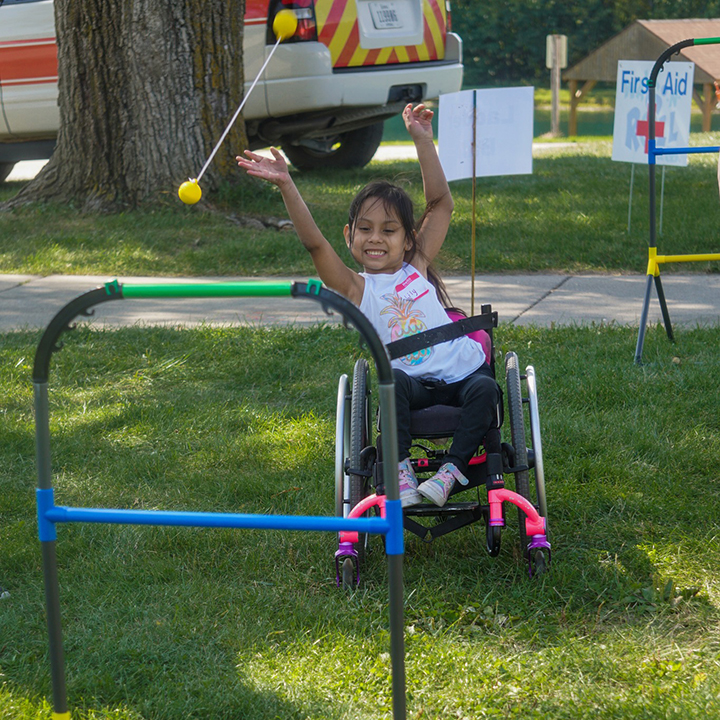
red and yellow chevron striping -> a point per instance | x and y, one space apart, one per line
337 25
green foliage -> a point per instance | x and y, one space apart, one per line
505 42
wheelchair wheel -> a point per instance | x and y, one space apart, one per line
360 436
492 539
538 563
536 440
349 575
342 447
517 433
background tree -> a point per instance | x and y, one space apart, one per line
505 42
146 88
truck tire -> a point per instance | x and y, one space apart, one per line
5 170
353 149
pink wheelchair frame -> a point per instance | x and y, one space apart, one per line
358 465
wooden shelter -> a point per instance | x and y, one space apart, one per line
646 40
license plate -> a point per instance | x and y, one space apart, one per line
385 16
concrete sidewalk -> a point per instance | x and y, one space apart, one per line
31 301
28 169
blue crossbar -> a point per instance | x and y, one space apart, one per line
61 514
391 525
685 151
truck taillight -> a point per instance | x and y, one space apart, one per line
306 29
305 12
448 14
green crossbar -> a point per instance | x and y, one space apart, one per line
203 290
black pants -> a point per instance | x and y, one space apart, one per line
478 395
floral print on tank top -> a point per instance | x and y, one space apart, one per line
405 321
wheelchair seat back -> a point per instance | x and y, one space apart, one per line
479 336
441 421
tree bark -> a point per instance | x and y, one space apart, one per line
146 88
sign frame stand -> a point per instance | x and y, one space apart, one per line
474 196
390 525
630 195
654 260
498 121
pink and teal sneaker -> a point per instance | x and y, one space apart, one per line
409 494
437 489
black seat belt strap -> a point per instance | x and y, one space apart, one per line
413 343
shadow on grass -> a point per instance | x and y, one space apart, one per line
167 622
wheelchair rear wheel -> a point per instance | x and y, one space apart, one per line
360 429
517 434
359 482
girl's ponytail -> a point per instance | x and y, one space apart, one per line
432 273
442 293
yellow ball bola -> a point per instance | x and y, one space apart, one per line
189 192
285 24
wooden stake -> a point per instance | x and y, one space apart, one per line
472 235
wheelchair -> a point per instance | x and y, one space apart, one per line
358 459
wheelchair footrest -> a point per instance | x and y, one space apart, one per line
454 516
429 510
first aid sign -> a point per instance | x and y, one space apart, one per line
673 98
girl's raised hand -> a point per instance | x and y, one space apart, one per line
418 121
274 170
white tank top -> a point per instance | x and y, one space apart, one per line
406 303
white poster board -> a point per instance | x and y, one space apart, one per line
503 119
673 99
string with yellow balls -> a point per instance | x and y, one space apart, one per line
284 26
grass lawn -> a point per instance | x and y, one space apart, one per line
170 623
570 215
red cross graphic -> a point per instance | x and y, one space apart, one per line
643 130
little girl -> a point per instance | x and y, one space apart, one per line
398 292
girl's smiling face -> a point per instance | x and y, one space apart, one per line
378 240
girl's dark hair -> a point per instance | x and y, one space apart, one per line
397 200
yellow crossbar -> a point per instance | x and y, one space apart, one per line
655 260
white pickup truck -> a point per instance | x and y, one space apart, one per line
350 65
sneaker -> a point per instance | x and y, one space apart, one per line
408 484
437 489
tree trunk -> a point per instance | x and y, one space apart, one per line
146 88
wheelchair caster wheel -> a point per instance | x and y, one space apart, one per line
538 563
492 538
349 575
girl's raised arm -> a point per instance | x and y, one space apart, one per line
438 198
330 267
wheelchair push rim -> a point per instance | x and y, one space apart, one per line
535 549
342 441
352 442
536 439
